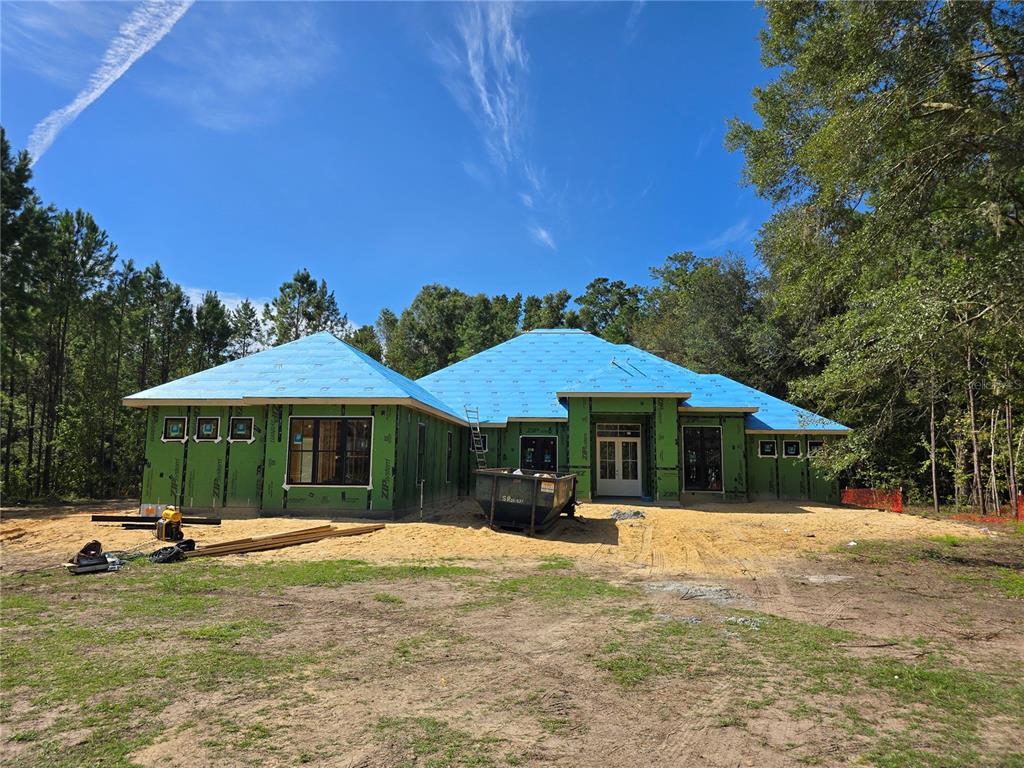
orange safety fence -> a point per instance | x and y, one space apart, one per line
1005 514
873 498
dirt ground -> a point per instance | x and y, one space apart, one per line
710 637
715 540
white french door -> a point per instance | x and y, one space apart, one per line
618 460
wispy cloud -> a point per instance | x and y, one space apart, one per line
238 67
145 27
59 41
485 71
485 67
542 236
739 232
702 142
633 20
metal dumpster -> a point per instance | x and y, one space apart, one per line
524 500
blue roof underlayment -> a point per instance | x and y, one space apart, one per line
317 366
520 379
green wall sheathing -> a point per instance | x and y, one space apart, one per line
793 471
666 450
503 445
244 461
298 499
788 479
436 487
204 464
163 475
580 446
762 473
734 459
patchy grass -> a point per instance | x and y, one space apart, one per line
433 743
555 563
560 589
113 652
942 705
387 597
1011 582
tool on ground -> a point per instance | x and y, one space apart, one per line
168 526
92 559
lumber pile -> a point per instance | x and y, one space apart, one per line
280 540
137 520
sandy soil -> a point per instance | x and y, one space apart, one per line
715 540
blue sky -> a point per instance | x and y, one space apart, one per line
495 148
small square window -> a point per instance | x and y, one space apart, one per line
814 447
767 449
240 429
791 449
207 428
483 443
174 428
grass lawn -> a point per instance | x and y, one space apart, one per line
439 664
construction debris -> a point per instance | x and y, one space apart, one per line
627 514
280 540
139 519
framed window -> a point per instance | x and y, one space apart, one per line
421 448
702 458
791 449
240 429
767 449
329 451
483 443
207 429
814 447
448 459
174 429
538 452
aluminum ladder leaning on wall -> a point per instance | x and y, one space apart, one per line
476 437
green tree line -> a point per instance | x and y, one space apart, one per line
889 295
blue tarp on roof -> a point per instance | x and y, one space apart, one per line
317 366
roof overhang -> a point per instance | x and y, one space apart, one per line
241 401
680 395
710 409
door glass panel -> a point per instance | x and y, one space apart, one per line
702 458
606 460
630 461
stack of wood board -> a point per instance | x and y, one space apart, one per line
279 540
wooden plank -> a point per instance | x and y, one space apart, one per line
271 542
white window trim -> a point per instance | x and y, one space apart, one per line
449 454
821 446
199 439
373 437
483 437
521 453
765 456
799 445
163 433
252 431
721 456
